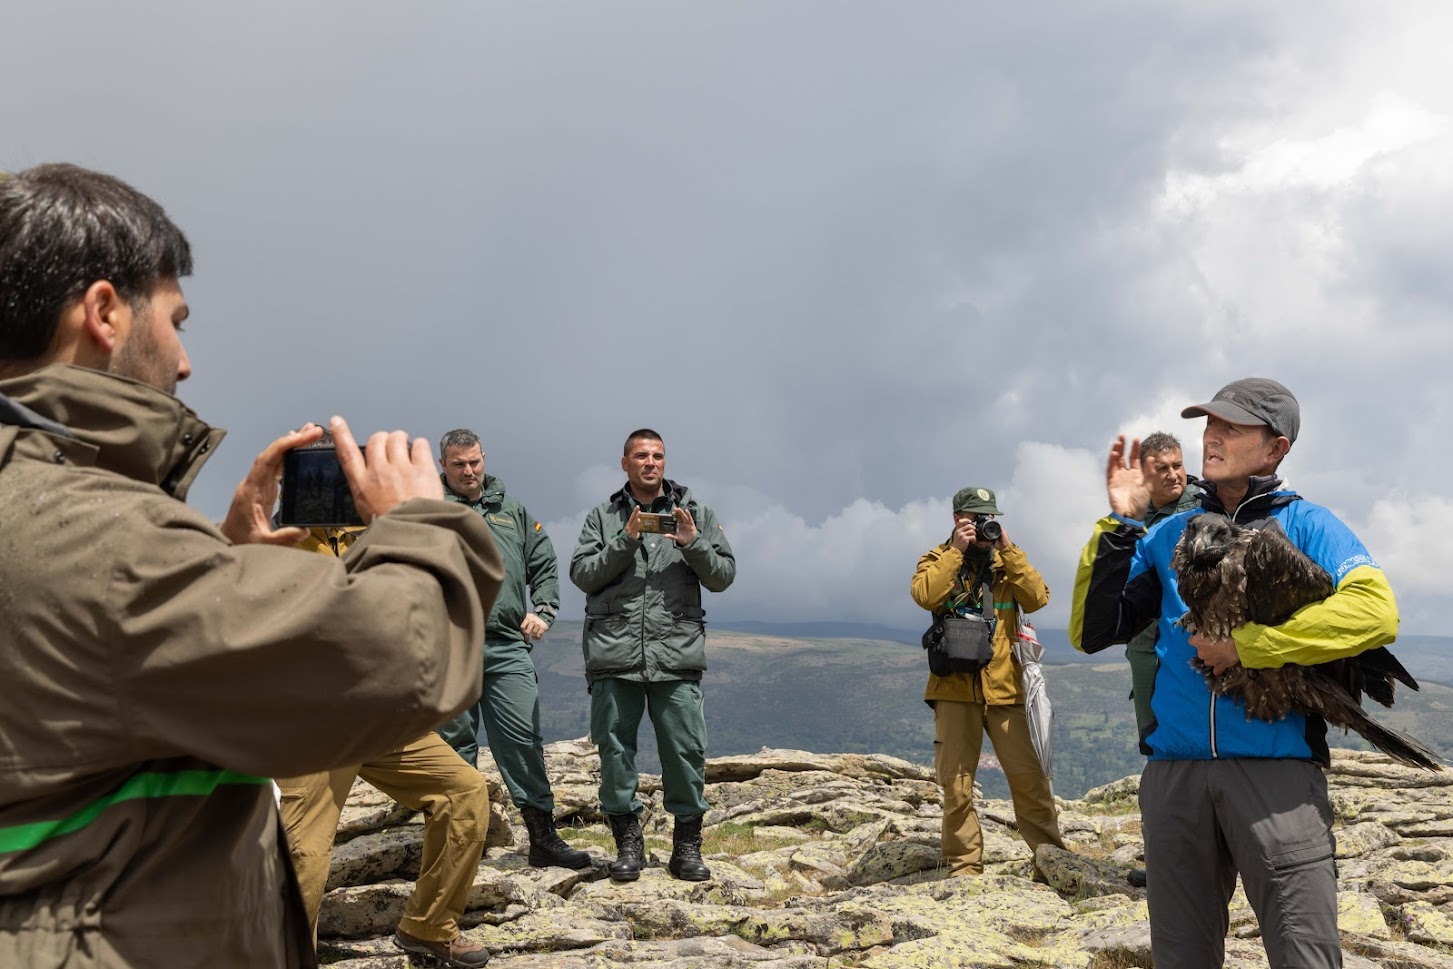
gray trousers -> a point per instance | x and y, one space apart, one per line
1206 820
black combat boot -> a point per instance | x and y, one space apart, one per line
686 863
547 848
630 847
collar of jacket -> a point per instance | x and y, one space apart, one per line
1263 493
493 493
678 494
1190 498
115 423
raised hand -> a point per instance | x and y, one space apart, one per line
1124 482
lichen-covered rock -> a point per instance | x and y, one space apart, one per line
849 872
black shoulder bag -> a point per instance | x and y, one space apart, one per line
962 644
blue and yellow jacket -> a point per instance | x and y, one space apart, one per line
1125 580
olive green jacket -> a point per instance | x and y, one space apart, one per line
532 575
153 676
643 614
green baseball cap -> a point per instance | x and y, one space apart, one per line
976 501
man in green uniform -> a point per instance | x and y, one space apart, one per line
642 560
1172 491
509 706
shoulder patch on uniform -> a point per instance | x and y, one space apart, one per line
538 526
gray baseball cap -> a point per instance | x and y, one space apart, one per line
1254 400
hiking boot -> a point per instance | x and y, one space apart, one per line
630 847
1136 877
686 863
547 848
457 952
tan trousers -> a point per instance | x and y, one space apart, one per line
426 775
958 735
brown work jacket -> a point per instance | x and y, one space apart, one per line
153 676
1015 585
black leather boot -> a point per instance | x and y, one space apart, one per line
630 847
686 863
547 848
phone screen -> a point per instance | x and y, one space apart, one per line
315 493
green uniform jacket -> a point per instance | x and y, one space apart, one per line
1144 641
529 558
153 675
643 614
1016 585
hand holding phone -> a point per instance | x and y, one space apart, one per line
657 524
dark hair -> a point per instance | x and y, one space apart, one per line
640 432
1158 442
459 437
62 228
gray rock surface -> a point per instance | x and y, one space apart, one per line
833 860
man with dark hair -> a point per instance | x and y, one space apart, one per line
509 706
1224 793
643 557
156 669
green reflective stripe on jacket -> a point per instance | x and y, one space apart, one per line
187 783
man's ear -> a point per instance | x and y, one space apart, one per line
91 327
1279 448
105 316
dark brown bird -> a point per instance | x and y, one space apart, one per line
1229 575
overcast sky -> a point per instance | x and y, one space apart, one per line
846 257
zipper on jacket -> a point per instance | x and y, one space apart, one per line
1212 717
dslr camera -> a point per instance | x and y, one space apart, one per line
987 529
315 492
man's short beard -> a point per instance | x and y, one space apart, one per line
140 356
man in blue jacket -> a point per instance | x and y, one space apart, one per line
1223 794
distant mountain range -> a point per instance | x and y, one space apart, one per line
1426 657
837 687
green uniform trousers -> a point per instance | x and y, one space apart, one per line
678 714
425 775
509 711
1143 664
958 736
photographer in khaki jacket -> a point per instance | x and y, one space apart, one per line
951 578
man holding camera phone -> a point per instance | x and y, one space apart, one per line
645 647
980 573
155 668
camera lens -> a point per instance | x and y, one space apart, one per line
988 530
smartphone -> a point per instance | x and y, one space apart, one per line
658 524
315 493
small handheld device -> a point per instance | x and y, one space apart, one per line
315 492
657 524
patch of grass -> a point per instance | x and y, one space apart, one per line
732 838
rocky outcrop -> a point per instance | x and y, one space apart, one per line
833 860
